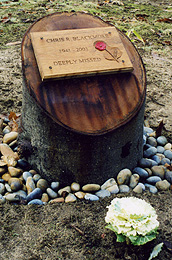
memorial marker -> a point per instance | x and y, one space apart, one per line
79 52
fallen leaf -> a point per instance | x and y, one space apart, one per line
165 20
159 128
156 250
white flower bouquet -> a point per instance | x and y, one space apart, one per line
133 220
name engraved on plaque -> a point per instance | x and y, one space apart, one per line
79 52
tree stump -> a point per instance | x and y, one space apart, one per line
82 129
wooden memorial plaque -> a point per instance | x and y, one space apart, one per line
79 52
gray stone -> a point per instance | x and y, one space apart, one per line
141 172
150 152
153 179
145 163
51 193
91 187
124 188
168 154
21 193
134 179
160 149
165 160
108 183
148 130
8 188
103 193
123 176
158 171
168 176
156 159
153 163
152 141
142 185
2 199
148 171
55 185
35 194
26 175
36 177
162 140
162 185
12 197
2 188
70 198
113 189
15 184
151 188
138 189
75 187
35 202
91 197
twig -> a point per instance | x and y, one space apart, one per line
77 229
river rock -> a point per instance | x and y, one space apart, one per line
153 179
158 171
152 141
7 187
42 184
110 182
138 189
9 160
168 176
67 189
75 187
70 198
55 185
160 149
33 172
156 159
168 154
51 193
23 164
153 163
91 187
6 130
2 170
161 156
14 172
12 197
151 188
142 185
145 163
162 185
45 198
147 130
8 138
103 193
150 152
148 171
80 194
36 202
113 189
7 151
162 140
35 194
141 172
91 197
6 177
15 184
36 177
21 193
124 188
57 200
2 188
26 174
134 179
123 176
2 200
30 185
165 160
168 146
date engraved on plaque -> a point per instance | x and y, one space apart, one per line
79 52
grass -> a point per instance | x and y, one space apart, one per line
17 15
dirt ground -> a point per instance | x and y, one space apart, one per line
77 230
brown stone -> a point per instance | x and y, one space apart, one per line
57 200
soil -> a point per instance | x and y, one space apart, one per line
77 230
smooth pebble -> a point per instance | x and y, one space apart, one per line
168 154
75 187
91 197
45 198
145 163
42 184
14 172
113 189
80 194
153 179
124 188
2 199
150 152
35 202
9 137
160 149
30 184
141 172
152 141
91 187
158 171
110 182
36 177
123 176
151 188
162 140
26 175
103 193
55 185
70 198
15 184
35 194
138 189
67 189
168 176
134 179
51 193
2 188
162 185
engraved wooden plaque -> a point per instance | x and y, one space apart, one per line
79 52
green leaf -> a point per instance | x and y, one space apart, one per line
156 250
141 240
138 36
120 238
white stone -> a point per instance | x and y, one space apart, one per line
113 189
70 198
8 138
108 183
167 146
75 187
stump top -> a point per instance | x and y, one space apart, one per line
89 105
